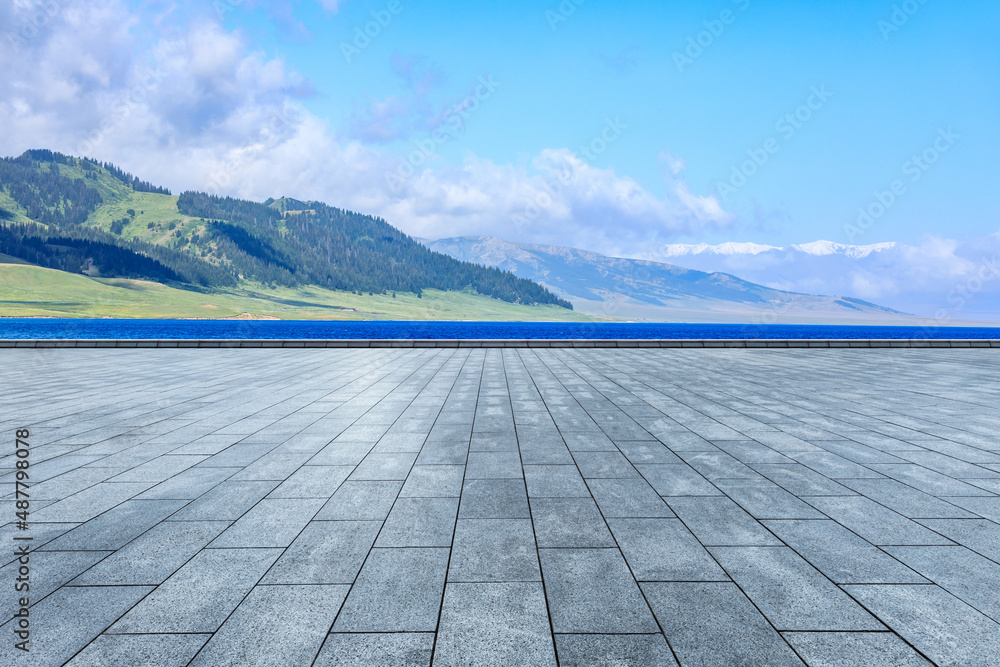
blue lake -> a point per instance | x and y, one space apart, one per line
22 328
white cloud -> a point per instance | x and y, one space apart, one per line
200 108
935 275
399 116
673 163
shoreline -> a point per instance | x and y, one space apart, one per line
538 343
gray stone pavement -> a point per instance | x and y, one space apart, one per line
507 507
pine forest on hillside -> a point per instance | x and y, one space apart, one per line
80 215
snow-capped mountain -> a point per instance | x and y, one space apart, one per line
642 289
939 276
682 249
816 248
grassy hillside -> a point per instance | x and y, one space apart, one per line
149 208
10 210
84 217
31 291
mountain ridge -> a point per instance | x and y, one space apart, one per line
649 289
84 216
816 248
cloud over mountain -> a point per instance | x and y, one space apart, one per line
170 94
936 277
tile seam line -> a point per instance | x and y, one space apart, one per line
822 413
708 548
614 538
527 499
156 586
438 369
458 507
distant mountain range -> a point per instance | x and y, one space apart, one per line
814 249
641 289
936 276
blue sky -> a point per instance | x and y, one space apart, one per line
892 91
515 167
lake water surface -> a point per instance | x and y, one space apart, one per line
33 328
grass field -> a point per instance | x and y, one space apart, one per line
16 212
31 291
168 224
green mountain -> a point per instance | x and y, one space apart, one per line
82 216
